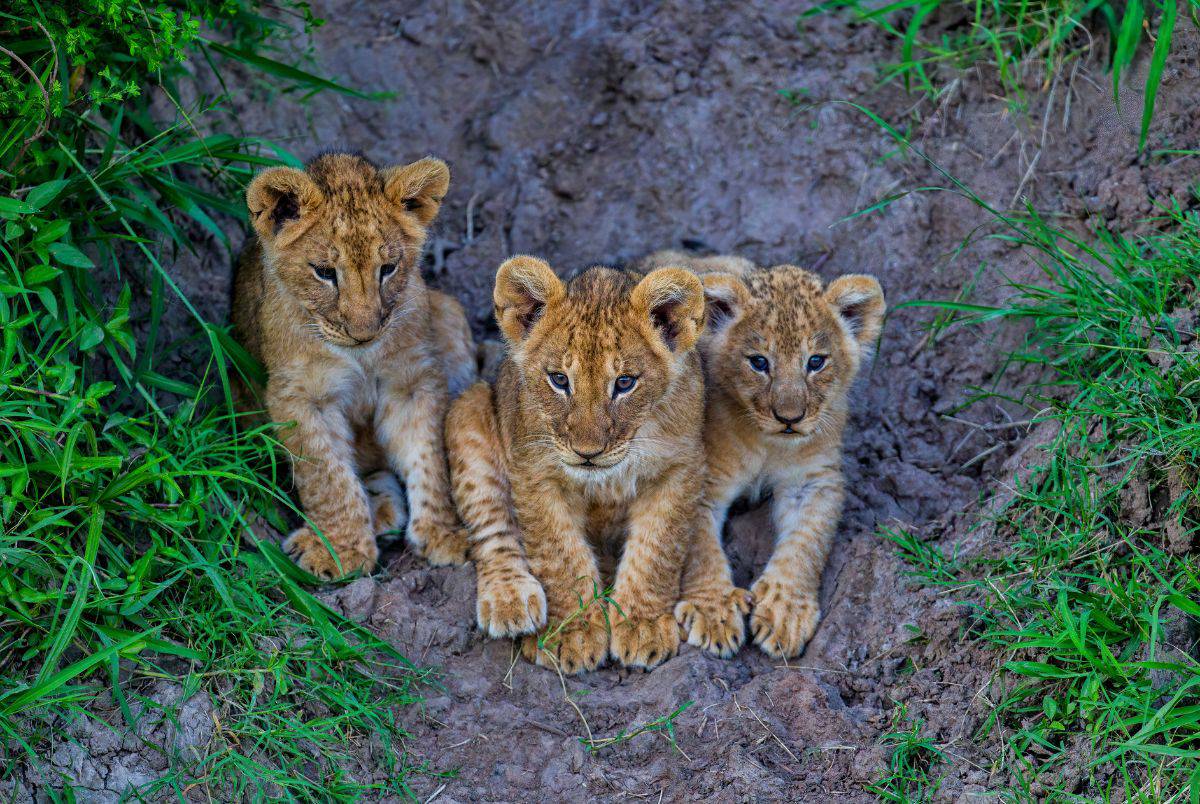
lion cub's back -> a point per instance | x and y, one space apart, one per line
247 298
452 338
718 264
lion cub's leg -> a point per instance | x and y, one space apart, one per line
409 425
389 511
331 494
455 345
711 609
786 604
509 600
648 578
576 638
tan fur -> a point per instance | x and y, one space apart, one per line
518 451
364 365
784 314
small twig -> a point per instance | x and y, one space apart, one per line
547 727
982 455
470 238
43 126
992 425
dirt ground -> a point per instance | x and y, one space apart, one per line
594 132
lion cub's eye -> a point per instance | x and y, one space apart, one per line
325 273
816 363
623 384
560 381
759 363
386 270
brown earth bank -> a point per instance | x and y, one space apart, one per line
595 132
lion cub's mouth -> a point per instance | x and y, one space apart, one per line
790 434
346 341
591 466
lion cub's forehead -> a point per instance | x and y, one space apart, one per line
789 309
593 325
350 184
357 218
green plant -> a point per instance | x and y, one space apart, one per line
1091 589
663 724
928 560
1011 34
913 756
127 493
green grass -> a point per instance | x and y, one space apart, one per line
1013 37
1090 595
126 490
1089 591
663 724
907 776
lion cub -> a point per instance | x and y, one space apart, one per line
588 444
360 355
780 355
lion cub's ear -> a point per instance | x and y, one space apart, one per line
281 201
858 300
672 300
419 187
524 288
725 300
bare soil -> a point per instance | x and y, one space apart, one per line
595 132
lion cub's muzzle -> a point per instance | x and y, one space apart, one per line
584 456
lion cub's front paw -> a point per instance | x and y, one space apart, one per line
645 641
509 605
783 619
715 620
309 552
578 646
439 544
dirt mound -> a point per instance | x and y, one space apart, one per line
596 132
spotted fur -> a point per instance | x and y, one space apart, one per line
570 478
778 431
360 355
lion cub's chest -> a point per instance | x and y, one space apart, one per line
348 387
355 386
607 524
606 504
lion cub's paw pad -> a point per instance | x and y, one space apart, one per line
715 622
440 545
783 619
510 607
645 641
580 646
310 553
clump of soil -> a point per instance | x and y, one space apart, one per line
595 133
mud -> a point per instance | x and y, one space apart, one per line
594 132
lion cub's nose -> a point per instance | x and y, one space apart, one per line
362 332
787 418
586 454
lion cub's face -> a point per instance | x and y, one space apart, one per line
786 349
344 237
598 354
